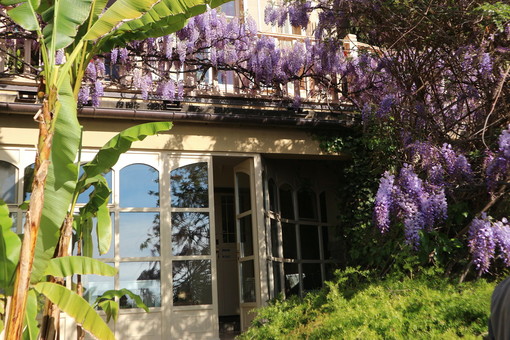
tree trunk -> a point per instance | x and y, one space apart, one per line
15 318
51 316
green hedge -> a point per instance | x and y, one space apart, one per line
355 306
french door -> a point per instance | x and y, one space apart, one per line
246 223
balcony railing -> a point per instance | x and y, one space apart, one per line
20 63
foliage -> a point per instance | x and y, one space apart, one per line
357 305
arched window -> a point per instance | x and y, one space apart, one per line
139 186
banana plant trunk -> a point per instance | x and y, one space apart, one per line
51 315
15 319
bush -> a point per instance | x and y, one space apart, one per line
355 306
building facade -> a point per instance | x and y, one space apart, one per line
234 206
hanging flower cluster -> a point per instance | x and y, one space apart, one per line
419 205
489 239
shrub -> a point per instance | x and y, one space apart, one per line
356 306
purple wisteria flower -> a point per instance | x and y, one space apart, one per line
481 242
384 202
485 237
114 55
83 95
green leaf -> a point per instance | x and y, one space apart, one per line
103 228
64 18
76 307
31 331
86 229
111 309
71 265
111 151
121 10
24 15
166 17
10 246
111 294
97 206
61 180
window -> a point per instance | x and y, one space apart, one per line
300 240
191 235
139 236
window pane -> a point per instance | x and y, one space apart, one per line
190 233
312 277
286 202
8 182
277 278
96 285
274 239
247 281
243 194
189 186
14 217
229 9
309 239
28 176
139 186
139 234
291 279
307 204
246 236
84 196
289 241
192 282
143 279
272 195
228 219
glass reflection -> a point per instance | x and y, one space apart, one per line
247 281
139 186
96 285
190 233
143 279
192 282
28 176
229 9
14 217
84 196
139 234
246 236
7 182
189 186
243 191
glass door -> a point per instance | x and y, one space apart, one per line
245 223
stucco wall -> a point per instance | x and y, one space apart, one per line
22 131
